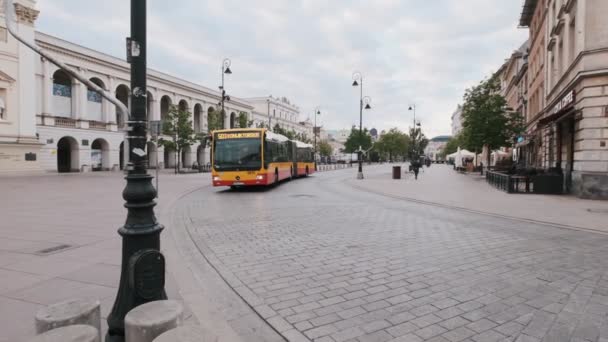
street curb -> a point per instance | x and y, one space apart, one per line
187 267
473 211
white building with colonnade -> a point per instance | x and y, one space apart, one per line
50 121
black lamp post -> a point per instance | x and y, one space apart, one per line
225 70
415 131
314 130
363 102
142 277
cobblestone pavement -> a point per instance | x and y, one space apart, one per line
322 261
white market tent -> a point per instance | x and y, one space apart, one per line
459 155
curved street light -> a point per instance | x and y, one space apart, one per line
225 70
364 102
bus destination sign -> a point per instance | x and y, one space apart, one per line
242 135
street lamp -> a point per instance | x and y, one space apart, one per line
363 102
225 70
414 131
269 118
142 277
314 131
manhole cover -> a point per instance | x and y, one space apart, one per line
51 250
302 195
598 211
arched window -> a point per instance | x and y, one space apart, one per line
183 106
198 112
62 94
165 106
94 106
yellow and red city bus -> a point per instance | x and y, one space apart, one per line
255 156
305 163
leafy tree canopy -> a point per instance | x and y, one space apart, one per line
393 143
215 120
356 140
325 148
486 120
178 132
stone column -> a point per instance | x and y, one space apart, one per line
111 110
26 17
47 88
226 118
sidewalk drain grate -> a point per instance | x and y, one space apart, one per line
53 249
598 211
302 196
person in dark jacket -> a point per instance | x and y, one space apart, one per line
416 168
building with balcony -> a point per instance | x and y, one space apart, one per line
574 126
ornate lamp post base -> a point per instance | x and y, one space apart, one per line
359 175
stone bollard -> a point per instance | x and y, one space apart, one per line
147 321
71 312
70 333
187 334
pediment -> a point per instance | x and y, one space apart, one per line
6 78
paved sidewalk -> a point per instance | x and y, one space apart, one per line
58 240
441 185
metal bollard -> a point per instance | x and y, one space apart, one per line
71 312
70 333
148 321
186 334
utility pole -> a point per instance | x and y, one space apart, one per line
142 277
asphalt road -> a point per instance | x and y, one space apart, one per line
320 260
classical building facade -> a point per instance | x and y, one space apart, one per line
514 80
457 121
568 123
52 122
272 111
19 145
533 18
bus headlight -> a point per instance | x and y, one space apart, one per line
216 179
259 177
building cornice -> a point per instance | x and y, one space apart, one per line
579 75
62 47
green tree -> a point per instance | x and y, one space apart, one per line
325 148
178 127
486 122
215 120
393 143
356 140
418 142
244 120
452 145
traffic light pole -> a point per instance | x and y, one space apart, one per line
142 277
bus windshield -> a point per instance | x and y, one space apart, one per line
237 154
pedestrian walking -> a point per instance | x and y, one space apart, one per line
416 168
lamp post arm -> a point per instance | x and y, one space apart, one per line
8 9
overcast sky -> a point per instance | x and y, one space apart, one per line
423 52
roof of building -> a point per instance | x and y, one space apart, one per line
442 138
527 12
